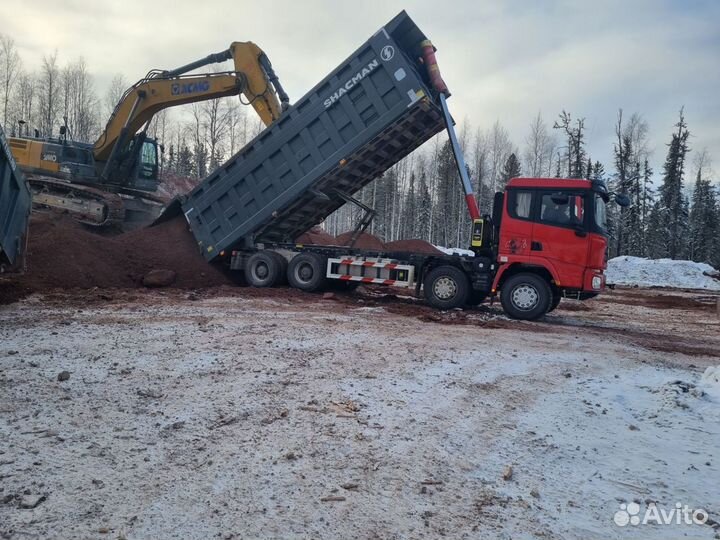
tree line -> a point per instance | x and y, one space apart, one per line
674 212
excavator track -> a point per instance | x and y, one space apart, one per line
88 205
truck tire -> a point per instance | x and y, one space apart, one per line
475 298
526 296
263 269
282 268
555 302
446 287
306 272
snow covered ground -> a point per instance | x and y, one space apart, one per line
155 415
637 271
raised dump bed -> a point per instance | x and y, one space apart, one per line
15 206
371 111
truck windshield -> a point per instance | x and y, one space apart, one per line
600 213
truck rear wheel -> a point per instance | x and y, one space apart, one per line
282 268
263 269
446 287
306 272
526 296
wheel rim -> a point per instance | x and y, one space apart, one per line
304 272
445 288
261 270
525 297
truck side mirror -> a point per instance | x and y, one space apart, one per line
63 130
622 200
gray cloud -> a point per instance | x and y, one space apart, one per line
502 60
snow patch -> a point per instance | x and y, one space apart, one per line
638 271
710 382
455 251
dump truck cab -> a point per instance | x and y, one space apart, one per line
555 229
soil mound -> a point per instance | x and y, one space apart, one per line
364 241
317 236
413 246
62 253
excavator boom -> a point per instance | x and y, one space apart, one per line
252 77
111 182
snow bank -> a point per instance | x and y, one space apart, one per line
642 272
455 251
710 381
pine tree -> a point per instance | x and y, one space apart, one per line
703 224
673 205
656 237
511 169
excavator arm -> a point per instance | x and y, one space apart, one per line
253 78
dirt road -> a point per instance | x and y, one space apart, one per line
230 414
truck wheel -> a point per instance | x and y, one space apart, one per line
282 268
446 287
526 296
475 298
263 269
306 272
555 302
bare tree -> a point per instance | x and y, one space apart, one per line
118 86
79 101
24 104
499 148
539 149
49 93
575 155
10 66
217 116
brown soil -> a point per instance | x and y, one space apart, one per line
64 254
413 246
316 237
364 241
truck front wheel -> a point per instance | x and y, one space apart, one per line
526 296
446 287
306 272
263 269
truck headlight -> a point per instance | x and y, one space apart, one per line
597 282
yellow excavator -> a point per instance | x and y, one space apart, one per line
112 181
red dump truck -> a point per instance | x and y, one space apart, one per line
546 238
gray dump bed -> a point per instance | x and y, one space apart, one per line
15 205
370 112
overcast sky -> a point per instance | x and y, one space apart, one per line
503 60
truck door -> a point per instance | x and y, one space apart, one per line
560 234
517 225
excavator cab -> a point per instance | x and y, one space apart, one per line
140 166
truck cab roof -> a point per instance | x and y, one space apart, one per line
560 183
571 183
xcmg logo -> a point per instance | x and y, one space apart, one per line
178 89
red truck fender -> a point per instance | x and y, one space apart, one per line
515 263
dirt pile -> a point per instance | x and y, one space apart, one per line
413 246
364 241
317 236
62 253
